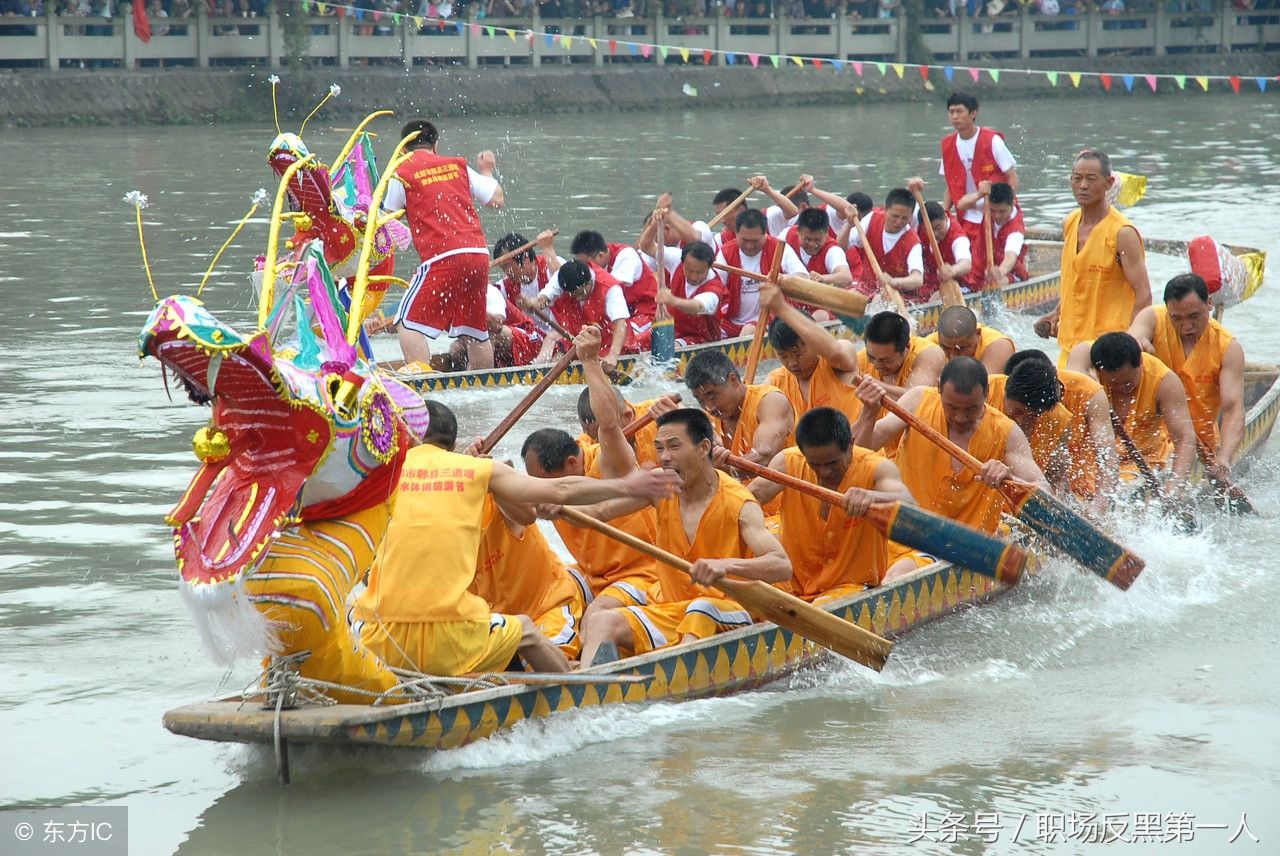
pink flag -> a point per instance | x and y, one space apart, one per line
755 59
973 72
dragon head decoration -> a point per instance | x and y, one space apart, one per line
333 207
302 431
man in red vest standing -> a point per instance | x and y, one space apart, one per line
971 156
447 293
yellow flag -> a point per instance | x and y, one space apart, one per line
567 41
1075 78
1255 265
418 22
798 61
899 69
1132 188
1204 83
512 34
321 7
592 42
684 55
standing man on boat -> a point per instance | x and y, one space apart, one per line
1104 267
957 408
818 370
713 522
751 420
1207 359
960 335
834 551
971 156
417 612
447 293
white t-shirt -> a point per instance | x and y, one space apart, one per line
749 299
705 235
777 220
964 149
627 266
889 240
960 249
482 189
495 302
1013 243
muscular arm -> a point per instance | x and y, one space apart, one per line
1103 436
840 353
1231 390
1017 457
617 458
777 418
518 514
996 355
840 277
1143 328
1012 178
870 433
1171 398
618 335
681 227
766 491
770 562
1129 248
927 369
508 485
889 485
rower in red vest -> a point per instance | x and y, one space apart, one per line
954 244
583 294
894 243
447 292
694 293
971 156
753 250
812 240
624 264
516 337
528 272
1008 242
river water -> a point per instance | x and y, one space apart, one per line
1065 699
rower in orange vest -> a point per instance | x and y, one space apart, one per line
834 551
960 335
1150 401
1031 395
818 370
958 409
714 523
417 612
1207 359
1091 444
1104 268
897 359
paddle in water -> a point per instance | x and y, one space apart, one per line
1185 517
662 335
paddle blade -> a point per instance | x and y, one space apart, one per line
662 341
811 622
1079 539
957 543
856 324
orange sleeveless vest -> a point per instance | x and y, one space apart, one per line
826 389
915 348
1096 295
1198 371
1047 435
718 537
519 575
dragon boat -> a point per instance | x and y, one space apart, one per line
459 711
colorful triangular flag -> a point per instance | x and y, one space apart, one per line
1181 80
880 67
594 44
774 58
1053 77
567 41
754 59
1235 83
798 61
1151 81
613 47
857 67
1075 78
1128 82
730 59
1106 81
924 72
838 65
995 74
684 54
1204 82
706 56
1262 83
899 69
663 50
817 63
973 72
948 72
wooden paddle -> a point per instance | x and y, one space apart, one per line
891 294
1045 514
724 212
762 320
951 294
1227 495
990 291
772 604
1186 519
633 427
849 305
911 525
506 257
508 421
548 319
662 335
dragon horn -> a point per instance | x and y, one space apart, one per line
273 242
